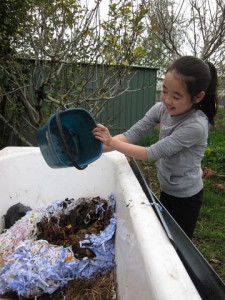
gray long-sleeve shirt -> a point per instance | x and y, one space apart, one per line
179 151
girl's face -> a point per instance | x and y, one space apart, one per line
175 95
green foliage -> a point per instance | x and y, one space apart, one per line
215 153
152 138
120 33
220 117
13 14
209 233
215 158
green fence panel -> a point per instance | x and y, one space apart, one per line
122 112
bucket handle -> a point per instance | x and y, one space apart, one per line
59 124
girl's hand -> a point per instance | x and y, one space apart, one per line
102 133
119 143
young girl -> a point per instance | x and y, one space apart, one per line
188 106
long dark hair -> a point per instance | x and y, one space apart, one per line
199 76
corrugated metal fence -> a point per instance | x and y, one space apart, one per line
122 112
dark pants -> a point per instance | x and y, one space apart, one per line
185 211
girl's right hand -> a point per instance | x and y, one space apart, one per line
102 133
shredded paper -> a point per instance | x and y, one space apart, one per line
33 267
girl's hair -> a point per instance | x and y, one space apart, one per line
199 76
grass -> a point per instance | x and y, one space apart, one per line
209 235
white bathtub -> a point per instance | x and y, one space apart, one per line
148 267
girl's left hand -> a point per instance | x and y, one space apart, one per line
102 133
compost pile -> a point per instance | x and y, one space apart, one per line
70 230
58 244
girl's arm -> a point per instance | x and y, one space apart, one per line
120 137
119 143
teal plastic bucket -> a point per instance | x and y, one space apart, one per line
66 140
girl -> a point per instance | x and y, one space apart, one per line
188 106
